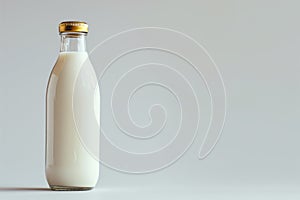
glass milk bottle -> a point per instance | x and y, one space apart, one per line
72 89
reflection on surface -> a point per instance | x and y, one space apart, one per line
24 189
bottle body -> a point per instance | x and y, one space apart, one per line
69 163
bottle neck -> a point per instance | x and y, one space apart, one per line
73 42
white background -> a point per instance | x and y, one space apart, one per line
254 43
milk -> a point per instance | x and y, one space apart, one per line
69 164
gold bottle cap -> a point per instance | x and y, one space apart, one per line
73 26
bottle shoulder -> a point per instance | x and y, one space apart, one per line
72 67
70 62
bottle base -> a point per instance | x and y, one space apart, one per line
69 188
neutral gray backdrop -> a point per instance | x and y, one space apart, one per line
256 45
